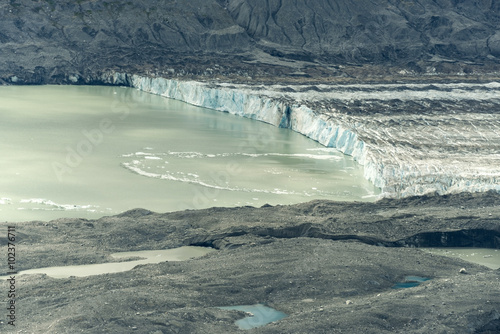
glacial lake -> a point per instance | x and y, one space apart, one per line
488 257
145 257
91 151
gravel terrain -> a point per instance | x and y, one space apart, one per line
330 266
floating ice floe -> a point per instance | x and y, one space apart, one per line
195 179
5 200
45 204
199 155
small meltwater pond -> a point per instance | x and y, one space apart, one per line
259 315
410 282
488 257
147 257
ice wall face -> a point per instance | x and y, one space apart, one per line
275 109
228 100
411 139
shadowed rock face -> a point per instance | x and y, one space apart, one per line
382 30
79 36
49 38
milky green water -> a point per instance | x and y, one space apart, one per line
70 151
488 257
146 257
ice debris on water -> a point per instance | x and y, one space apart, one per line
45 204
5 200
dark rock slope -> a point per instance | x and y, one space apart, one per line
373 31
47 40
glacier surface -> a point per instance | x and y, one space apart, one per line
412 139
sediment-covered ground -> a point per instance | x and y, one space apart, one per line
306 260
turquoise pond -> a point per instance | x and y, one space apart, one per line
410 282
260 315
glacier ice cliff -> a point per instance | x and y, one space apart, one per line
412 139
